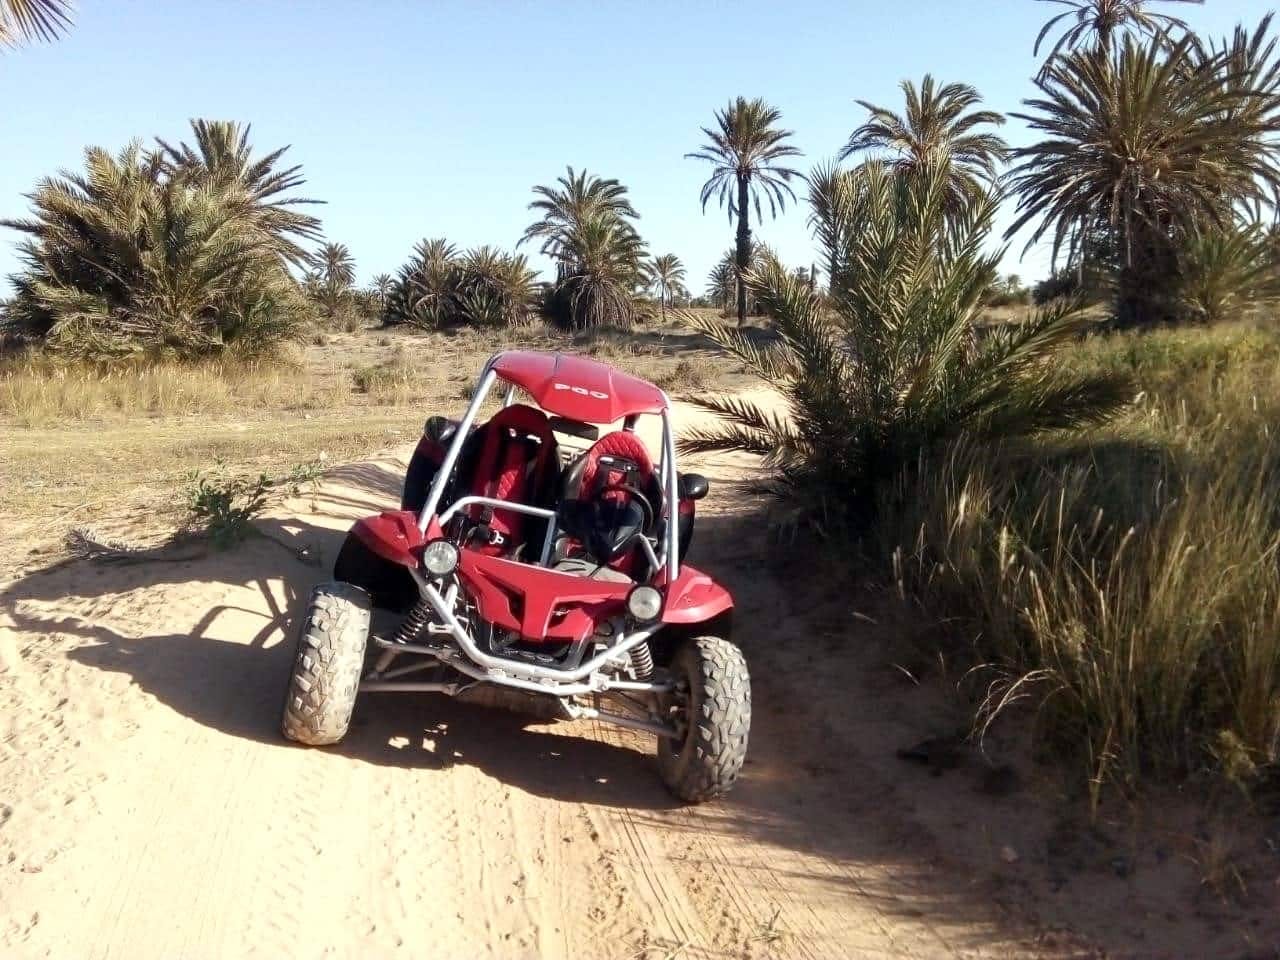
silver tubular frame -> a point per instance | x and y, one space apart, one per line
507 667
455 447
463 502
668 477
671 493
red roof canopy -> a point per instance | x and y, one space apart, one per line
578 387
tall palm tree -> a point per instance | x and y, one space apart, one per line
746 149
381 288
222 157
938 127
665 273
23 21
578 196
1147 141
1103 21
336 271
722 281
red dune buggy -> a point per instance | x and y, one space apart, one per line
540 555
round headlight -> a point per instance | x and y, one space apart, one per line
440 557
644 603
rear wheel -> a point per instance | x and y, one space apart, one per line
711 708
326 670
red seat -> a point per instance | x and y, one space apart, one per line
583 481
620 443
512 457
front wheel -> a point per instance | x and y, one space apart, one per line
326 670
711 708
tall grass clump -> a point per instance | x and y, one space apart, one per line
1128 583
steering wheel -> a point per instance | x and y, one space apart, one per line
634 492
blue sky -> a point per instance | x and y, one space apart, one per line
415 119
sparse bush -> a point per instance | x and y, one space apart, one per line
687 376
224 505
392 383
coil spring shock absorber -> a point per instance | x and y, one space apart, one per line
642 660
414 623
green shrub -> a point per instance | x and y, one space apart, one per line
223 506
895 367
440 287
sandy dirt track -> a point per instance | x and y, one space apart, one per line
149 807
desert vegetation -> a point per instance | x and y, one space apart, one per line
442 287
746 149
1082 487
1092 512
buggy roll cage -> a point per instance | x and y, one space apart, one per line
666 559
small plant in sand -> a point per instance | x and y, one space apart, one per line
223 505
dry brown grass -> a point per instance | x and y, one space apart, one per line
38 392
111 446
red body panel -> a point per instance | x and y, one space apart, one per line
695 598
578 387
394 535
541 605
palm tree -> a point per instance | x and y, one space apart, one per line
890 367
1146 142
603 257
381 289
939 127
124 259
23 21
1104 20
223 158
336 273
665 273
578 197
722 281
423 294
441 287
494 288
1225 269
746 149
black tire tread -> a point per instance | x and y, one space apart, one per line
715 748
328 664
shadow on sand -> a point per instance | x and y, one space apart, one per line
802 791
